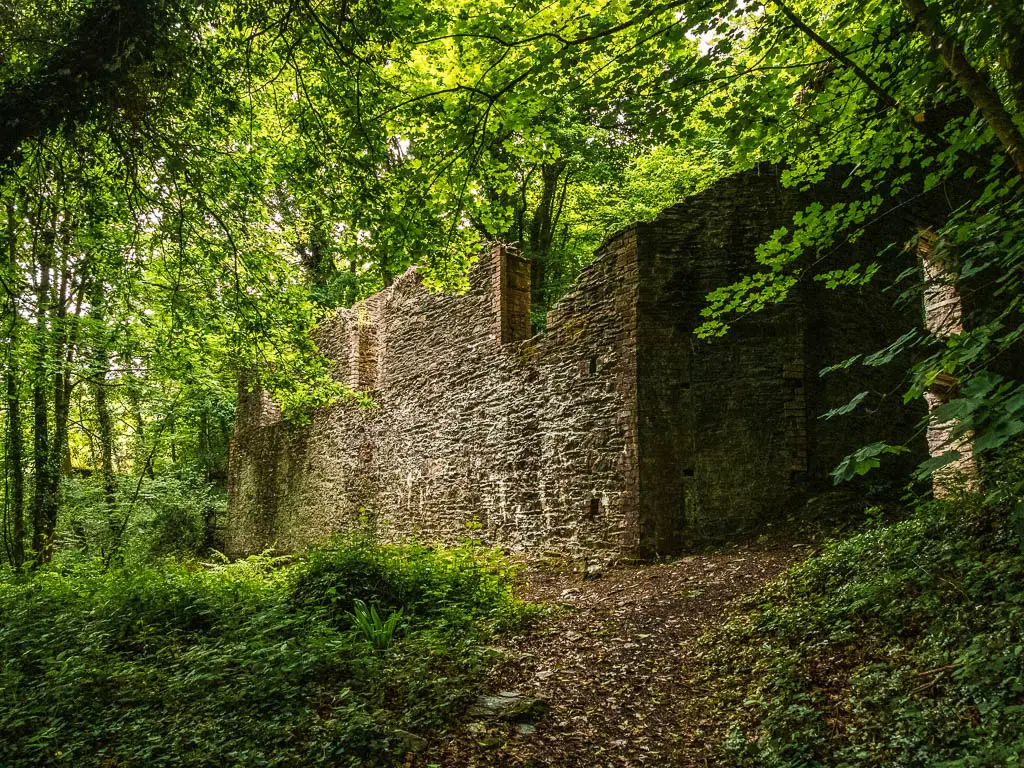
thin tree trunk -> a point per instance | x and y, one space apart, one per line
44 499
971 81
15 449
542 231
54 352
64 332
317 259
353 289
15 459
203 440
138 461
100 370
106 445
883 96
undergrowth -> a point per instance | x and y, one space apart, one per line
257 663
900 647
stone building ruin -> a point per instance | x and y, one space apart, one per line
615 434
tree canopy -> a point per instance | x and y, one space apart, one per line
189 185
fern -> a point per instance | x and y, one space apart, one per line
378 632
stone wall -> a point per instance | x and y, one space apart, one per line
719 444
534 439
615 434
729 434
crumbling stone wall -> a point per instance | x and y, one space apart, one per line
730 435
616 434
719 441
534 439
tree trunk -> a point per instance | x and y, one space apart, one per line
98 376
15 449
64 334
883 96
542 228
44 500
971 82
205 444
56 338
352 292
139 459
317 260
15 459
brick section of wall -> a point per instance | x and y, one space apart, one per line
512 298
943 317
535 439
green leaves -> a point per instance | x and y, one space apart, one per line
854 275
751 294
195 666
863 460
989 406
378 632
928 467
849 407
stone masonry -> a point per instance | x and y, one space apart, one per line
616 434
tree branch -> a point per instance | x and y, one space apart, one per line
970 80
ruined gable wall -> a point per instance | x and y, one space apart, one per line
730 434
720 424
533 439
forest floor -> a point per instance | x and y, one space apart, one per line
616 664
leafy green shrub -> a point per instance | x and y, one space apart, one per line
899 647
377 631
180 666
151 518
448 587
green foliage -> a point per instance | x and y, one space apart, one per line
854 97
864 459
180 666
990 406
240 169
901 646
152 517
442 586
376 631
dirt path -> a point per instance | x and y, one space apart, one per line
612 665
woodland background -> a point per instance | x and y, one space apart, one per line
189 185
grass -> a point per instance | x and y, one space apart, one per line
902 646
251 664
